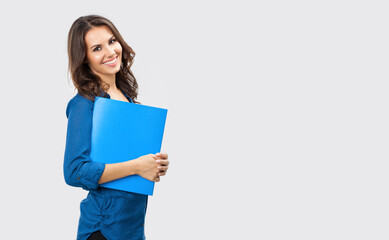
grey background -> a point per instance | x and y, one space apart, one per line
277 125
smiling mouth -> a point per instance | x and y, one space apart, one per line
111 62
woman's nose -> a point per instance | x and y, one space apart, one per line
111 52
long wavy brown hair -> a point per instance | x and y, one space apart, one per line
85 81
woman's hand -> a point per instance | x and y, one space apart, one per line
163 163
148 167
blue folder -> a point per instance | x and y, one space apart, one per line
123 131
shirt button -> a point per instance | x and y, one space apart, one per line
78 178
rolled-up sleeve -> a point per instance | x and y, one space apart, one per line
79 170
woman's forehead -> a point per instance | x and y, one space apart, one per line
98 35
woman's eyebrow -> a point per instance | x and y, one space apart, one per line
98 45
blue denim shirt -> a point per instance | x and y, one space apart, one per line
117 214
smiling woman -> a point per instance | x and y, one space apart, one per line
97 51
104 54
99 63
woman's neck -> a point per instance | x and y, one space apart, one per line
111 83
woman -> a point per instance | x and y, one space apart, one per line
99 63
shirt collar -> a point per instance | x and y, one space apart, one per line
105 94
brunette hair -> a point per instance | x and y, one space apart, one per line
85 81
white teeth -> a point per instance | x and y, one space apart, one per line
108 63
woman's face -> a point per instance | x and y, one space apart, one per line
103 51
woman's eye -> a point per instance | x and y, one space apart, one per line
112 41
96 49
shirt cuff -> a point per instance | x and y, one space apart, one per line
91 174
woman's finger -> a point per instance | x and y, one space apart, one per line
162 168
162 155
163 162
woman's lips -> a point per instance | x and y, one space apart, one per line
111 63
